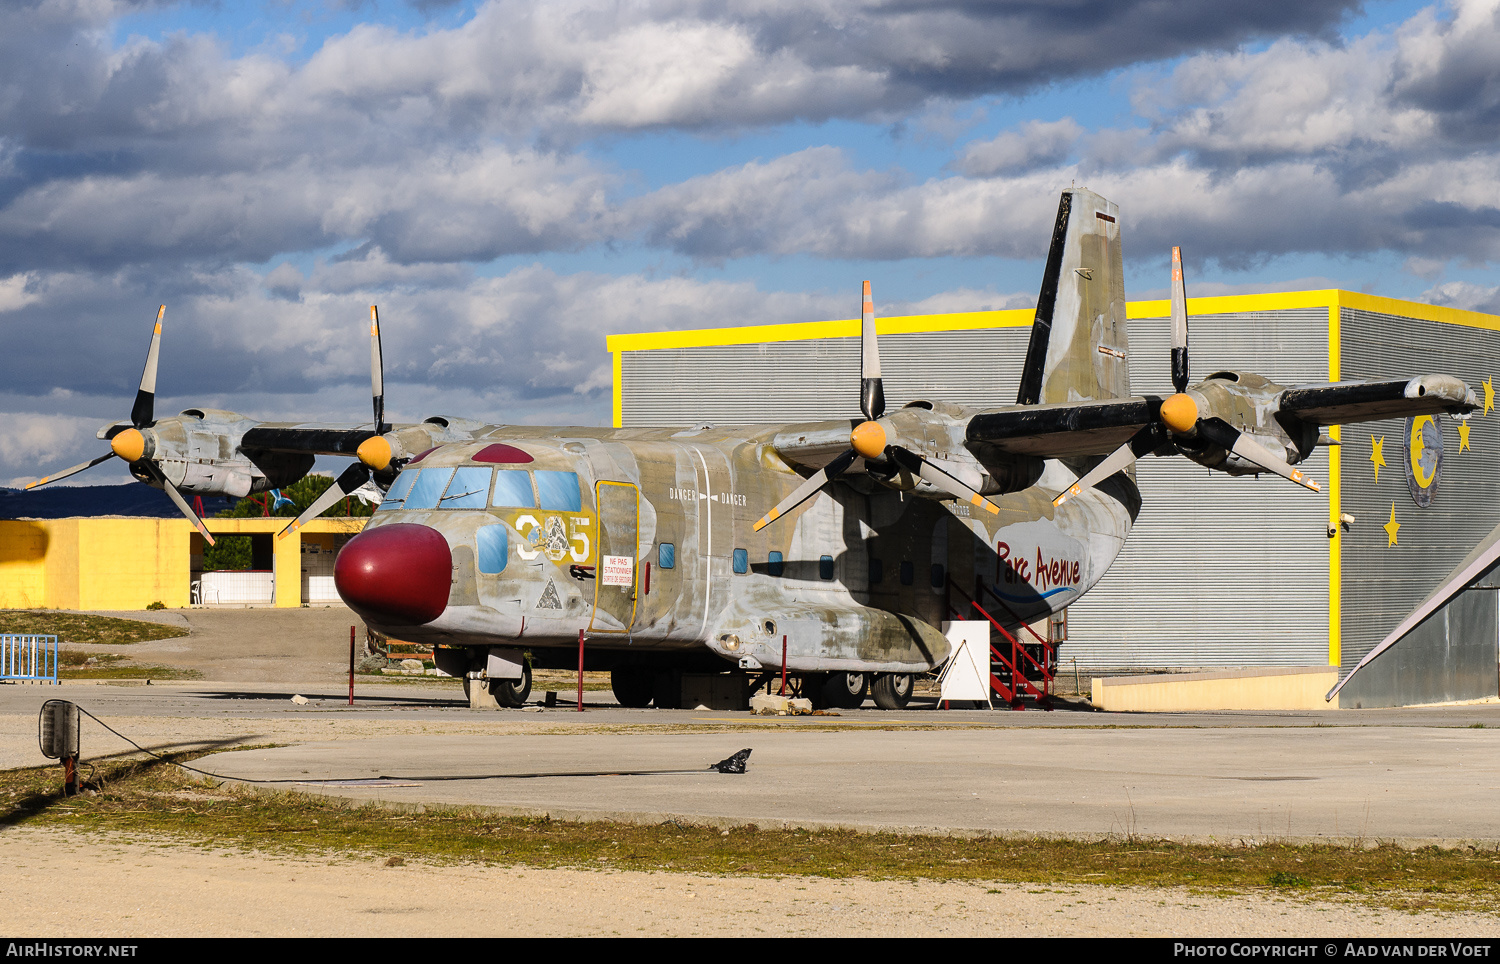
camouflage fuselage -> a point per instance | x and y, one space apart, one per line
654 551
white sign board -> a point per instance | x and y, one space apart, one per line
618 571
967 674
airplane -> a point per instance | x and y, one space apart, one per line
824 549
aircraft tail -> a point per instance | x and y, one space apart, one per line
1078 345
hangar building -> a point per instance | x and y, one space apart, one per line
1219 571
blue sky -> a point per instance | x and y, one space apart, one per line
512 182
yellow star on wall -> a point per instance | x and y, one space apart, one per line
1463 437
1391 527
1377 454
1489 396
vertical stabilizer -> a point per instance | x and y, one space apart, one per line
1078 345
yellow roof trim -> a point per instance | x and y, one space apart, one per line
1416 309
1238 304
807 330
1328 298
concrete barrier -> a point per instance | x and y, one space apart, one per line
1254 688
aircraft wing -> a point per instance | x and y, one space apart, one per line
1342 402
1064 430
313 437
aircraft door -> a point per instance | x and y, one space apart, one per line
617 540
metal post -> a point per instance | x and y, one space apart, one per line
351 665
580 671
783 665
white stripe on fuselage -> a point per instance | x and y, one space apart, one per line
706 501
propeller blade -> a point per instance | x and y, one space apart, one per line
352 478
1148 439
940 478
73 471
154 470
1179 324
145 397
377 372
809 488
1220 432
871 386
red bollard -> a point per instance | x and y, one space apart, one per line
351 665
580 671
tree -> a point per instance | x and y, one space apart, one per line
233 552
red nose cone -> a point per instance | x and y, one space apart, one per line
399 574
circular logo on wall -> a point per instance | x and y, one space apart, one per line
1424 458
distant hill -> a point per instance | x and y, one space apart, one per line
73 501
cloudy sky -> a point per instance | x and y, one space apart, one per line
511 182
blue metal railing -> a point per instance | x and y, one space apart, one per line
29 657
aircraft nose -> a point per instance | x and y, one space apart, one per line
399 574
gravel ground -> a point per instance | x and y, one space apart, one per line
62 883
67 884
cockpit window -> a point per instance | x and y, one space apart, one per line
559 490
428 488
513 489
399 488
468 490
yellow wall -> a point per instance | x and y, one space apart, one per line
1265 688
116 563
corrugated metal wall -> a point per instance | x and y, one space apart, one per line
1218 572
1382 583
792 381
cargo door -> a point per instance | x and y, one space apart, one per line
616 575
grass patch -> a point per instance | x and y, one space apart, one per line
75 664
84 629
151 797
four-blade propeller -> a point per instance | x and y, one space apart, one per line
129 444
375 453
875 439
1186 419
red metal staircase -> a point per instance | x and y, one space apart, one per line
1017 670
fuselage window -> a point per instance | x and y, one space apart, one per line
774 564
825 567
939 577
741 561
468 490
398 490
428 488
908 573
877 571
666 555
492 546
559 490
513 489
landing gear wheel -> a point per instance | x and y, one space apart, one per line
511 693
504 694
892 691
843 691
633 687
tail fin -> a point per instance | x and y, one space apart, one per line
1078 345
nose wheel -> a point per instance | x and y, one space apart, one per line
504 694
